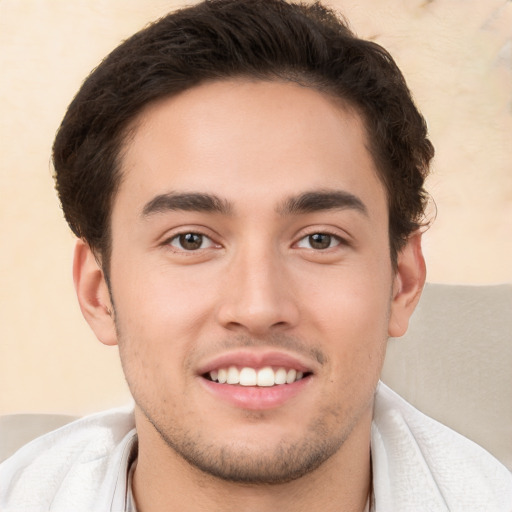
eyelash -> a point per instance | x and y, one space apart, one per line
333 237
178 237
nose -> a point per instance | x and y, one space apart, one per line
257 295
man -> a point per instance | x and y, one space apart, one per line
245 179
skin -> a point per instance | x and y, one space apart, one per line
255 286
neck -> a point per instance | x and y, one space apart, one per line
164 481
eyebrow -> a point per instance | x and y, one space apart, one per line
307 202
319 200
192 201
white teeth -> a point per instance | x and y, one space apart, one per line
290 376
222 376
280 377
233 376
248 377
264 377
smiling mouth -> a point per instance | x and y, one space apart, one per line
262 377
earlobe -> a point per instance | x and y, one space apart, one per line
407 286
93 294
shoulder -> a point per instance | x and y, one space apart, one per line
417 461
76 464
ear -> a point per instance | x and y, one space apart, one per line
93 294
407 285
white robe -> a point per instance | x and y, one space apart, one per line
419 465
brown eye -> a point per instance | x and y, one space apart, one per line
319 241
191 241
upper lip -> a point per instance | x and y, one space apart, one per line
252 359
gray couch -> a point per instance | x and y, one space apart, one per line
455 362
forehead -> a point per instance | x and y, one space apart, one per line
247 141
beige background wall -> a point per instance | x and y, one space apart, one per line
456 55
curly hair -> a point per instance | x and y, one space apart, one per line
223 39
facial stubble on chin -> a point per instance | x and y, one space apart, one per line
235 462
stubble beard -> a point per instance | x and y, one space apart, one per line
238 463
241 463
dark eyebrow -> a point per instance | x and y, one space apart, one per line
318 200
189 201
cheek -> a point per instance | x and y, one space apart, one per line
351 297
158 317
357 339
349 310
157 298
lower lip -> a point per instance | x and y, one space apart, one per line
253 397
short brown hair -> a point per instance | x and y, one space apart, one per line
221 39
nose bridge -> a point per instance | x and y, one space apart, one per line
256 295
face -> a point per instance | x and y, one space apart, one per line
251 279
